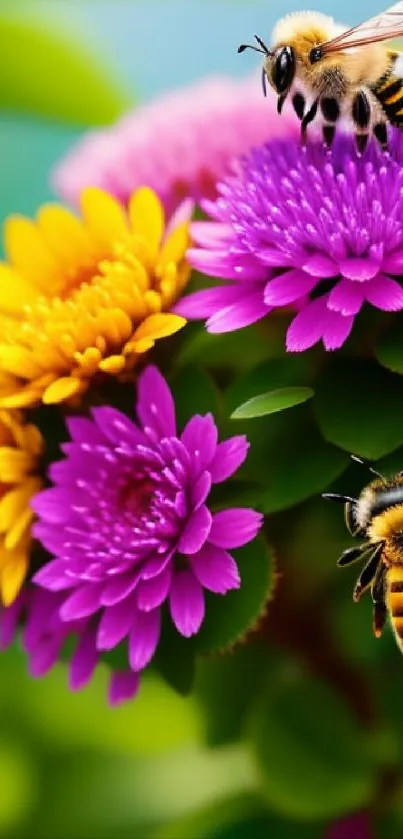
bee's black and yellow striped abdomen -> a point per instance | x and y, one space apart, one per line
390 95
394 599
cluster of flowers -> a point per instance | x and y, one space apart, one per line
95 544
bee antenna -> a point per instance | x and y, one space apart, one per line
339 499
366 463
262 48
264 82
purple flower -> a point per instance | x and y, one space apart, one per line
45 633
321 231
128 521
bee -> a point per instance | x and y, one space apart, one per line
330 73
376 516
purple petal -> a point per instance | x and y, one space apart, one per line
288 287
119 589
123 685
115 624
228 458
53 505
155 565
151 593
234 528
321 266
200 490
308 325
53 576
354 268
347 297
9 620
196 531
200 439
50 536
43 657
84 431
216 569
143 639
220 264
337 330
155 405
243 313
384 293
117 428
393 263
84 660
202 304
210 234
83 602
186 603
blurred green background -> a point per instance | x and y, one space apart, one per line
301 727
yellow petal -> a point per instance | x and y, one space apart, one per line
89 359
147 218
15 291
114 364
21 399
62 389
174 248
104 216
27 250
14 465
20 528
19 361
14 503
13 575
159 326
65 234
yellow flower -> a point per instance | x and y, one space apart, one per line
79 297
21 447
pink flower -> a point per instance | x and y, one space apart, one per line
181 144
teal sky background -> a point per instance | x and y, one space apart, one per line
154 45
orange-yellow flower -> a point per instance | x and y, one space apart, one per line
84 296
21 447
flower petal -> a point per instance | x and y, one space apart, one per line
155 404
358 269
115 624
337 330
84 660
347 297
123 685
229 456
288 287
200 438
186 602
308 325
384 293
240 314
104 216
143 639
234 528
117 427
151 593
196 531
202 304
216 569
83 602
147 218
53 576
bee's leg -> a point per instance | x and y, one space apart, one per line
381 133
378 600
280 101
331 112
361 114
352 555
309 117
298 103
367 574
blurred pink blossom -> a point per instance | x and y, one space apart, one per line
353 827
180 144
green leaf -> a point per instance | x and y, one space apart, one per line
389 350
46 72
358 407
241 350
175 658
194 393
310 750
230 617
272 402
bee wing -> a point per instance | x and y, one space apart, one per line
382 27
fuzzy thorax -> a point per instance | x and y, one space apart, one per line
387 525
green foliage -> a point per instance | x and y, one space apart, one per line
357 406
389 350
272 402
195 393
310 750
229 618
50 74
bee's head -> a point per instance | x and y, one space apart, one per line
278 66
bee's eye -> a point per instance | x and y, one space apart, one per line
283 69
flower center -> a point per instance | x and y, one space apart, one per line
136 495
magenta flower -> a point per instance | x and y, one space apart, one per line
180 144
318 230
128 523
44 635
352 827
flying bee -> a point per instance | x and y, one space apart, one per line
377 517
332 74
